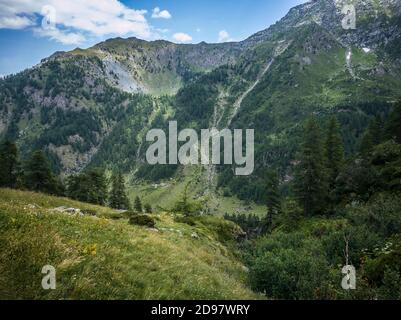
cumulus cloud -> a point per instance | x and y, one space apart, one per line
182 37
15 22
75 20
224 36
163 30
67 38
160 14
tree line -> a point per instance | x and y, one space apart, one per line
324 179
35 174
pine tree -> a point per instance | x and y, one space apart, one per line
373 135
273 201
138 205
38 175
311 180
96 186
118 195
148 208
90 186
74 188
183 206
334 152
8 165
393 128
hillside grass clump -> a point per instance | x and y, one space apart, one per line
142 220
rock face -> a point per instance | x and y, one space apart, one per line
377 22
157 67
69 211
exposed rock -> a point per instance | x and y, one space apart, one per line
31 207
68 211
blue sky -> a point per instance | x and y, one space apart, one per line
31 30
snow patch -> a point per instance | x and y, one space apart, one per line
349 56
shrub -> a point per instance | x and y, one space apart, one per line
89 212
391 288
148 208
289 266
143 220
290 274
381 215
384 260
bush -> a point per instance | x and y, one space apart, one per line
289 266
290 274
391 288
381 215
384 260
143 220
148 208
89 212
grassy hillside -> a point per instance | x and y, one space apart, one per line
167 193
103 257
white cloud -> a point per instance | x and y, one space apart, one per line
163 30
160 14
67 38
182 37
15 22
76 20
224 36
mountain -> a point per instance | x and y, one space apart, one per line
159 67
93 107
98 255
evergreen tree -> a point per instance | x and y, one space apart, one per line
97 186
138 205
8 165
273 201
148 208
334 156
393 127
311 181
183 205
373 135
90 186
38 175
74 188
118 195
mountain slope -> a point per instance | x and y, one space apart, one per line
159 67
103 257
80 105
